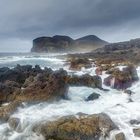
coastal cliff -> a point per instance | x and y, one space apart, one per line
60 43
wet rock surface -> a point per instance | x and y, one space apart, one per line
78 63
19 73
120 136
45 87
85 80
8 91
14 124
136 132
134 122
93 96
7 110
37 83
122 79
84 127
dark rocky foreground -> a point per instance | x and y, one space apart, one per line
33 85
82 127
66 44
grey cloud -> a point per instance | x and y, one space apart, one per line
27 19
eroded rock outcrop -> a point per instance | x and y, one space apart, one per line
122 79
85 80
120 136
45 87
8 91
19 73
84 127
7 110
78 63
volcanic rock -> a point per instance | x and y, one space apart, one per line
120 136
45 87
93 96
85 80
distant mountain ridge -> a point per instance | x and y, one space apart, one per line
60 43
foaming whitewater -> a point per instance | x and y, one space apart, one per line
114 103
43 60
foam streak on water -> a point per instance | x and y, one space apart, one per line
114 103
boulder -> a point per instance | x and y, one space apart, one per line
122 79
129 92
85 127
7 110
134 121
131 69
93 96
78 63
45 87
14 124
85 80
8 91
136 132
19 73
120 136
36 85
98 71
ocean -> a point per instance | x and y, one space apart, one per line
114 102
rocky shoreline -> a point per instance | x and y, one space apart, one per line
33 85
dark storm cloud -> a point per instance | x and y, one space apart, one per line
110 19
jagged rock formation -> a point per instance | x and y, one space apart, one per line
7 110
122 79
66 44
85 80
32 84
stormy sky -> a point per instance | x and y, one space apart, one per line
23 20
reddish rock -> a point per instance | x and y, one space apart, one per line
98 71
122 79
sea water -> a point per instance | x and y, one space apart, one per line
114 102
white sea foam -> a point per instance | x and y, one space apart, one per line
42 60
